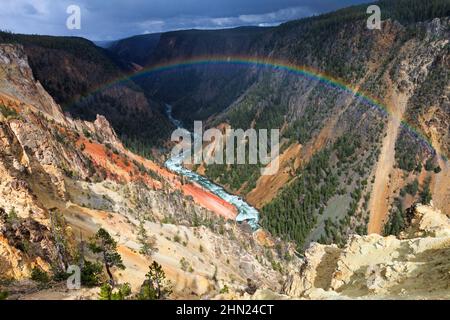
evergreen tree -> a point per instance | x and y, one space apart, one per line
105 292
425 194
91 273
155 286
106 246
108 293
147 243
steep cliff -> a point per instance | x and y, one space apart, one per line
63 179
87 80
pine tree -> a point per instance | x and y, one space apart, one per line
106 246
105 292
155 286
147 243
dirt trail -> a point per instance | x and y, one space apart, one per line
379 200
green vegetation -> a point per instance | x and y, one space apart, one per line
292 214
425 193
261 108
91 274
4 295
430 92
412 187
12 215
410 11
224 290
407 152
397 220
8 113
155 286
338 172
234 176
104 245
177 238
430 166
78 93
40 276
318 107
107 292
148 244
300 130
404 11
87 133
185 265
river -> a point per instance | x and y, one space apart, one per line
245 211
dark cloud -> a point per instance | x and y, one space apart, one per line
113 19
29 9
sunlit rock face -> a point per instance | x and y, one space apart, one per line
414 266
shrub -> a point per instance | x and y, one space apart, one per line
425 194
429 165
86 133
224 290
91 274
105 292
184 264
8 112
40 276
12 215
3 295
108 293
412 188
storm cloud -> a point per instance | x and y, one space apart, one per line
114 19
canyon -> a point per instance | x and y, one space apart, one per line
359 208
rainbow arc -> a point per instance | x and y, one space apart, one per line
270 64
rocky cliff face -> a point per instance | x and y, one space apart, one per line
63 179
347 164
87 80
28 152
414 266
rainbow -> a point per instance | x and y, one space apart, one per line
271 64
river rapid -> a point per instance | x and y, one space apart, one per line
245 211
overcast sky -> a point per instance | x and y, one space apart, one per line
115 19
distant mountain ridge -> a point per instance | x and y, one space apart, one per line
136 49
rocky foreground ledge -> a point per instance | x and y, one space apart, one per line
415 265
